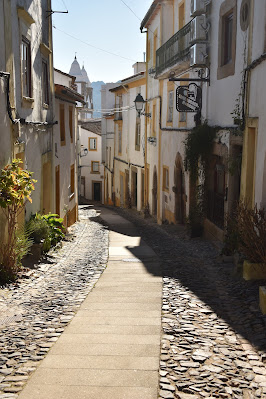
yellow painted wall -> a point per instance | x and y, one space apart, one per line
248 173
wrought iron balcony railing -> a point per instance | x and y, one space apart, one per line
174 50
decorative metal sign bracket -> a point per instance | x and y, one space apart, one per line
199 79
55 12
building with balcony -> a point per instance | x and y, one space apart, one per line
219 47
168 28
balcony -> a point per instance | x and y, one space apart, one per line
176 49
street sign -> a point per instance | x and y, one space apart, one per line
188 98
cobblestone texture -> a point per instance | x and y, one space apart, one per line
214 336
35 310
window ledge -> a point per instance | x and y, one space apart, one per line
95 173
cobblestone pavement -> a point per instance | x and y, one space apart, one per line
214 336
34 312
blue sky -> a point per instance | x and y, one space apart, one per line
106 24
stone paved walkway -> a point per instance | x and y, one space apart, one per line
214 336
111 348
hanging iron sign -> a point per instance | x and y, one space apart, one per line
188 98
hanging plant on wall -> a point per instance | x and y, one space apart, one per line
198 149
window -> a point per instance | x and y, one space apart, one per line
154 118
155 44
119 141
72 180
181 15
165 178
26 67
45 83
92 144
170 106
62 125
227 39
95 166
70 119
137 135
149 51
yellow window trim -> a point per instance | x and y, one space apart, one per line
95 138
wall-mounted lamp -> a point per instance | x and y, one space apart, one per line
85 152
139 104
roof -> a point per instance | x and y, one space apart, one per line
65 93
64 73
125 81
92 125
149 14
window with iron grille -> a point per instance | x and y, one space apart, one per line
92 144
45 82
227 39
170 106
137 135
95 166
26 67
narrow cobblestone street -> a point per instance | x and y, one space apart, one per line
213 335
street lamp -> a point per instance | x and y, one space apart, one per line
139 103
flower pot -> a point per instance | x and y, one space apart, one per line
254 271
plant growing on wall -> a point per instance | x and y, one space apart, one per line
16 185
198 150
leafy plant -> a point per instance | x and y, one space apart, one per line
198 150
47 229
39 230
251 225
16 185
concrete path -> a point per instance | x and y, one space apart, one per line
111 348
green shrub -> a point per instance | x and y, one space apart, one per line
47 229
39 230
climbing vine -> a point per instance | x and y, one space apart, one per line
198 149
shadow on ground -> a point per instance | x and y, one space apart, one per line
195 263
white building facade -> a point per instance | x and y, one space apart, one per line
91 169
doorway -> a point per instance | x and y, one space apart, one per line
179 190
82 186
134 188
154 193
57 190
96 191
121 190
